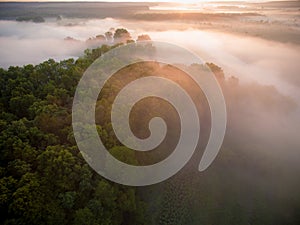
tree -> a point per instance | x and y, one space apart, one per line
43 177
144 37
121 35
109 36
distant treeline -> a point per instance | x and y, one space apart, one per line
71 10
125 10
35 19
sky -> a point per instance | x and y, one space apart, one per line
180 1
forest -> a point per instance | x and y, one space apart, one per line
45 180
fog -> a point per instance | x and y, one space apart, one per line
31 43
249 58
254 61
260 154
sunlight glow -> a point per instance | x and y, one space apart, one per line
175 1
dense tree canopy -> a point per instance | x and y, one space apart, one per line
45 180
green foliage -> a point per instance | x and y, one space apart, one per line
43 177
45 180
122 35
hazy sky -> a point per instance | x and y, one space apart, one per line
182 1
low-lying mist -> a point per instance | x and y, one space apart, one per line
31 43
248 58
256 173
268 113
